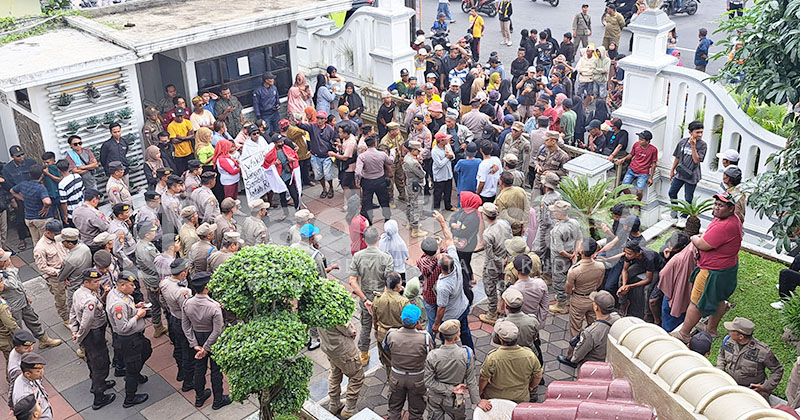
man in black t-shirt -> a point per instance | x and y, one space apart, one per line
616 141
544 53
634 290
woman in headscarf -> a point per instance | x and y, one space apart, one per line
505 90
352 100
202 144
612 50
465 224
477 86
580 121
494 82
298 97
466 92
356 223
600 112
153 162
323 95
393 244
228 169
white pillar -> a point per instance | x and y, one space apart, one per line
392 50
644 96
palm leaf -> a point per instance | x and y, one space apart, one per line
595 201
695 208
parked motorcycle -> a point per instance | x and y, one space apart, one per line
553 3
624 7
487 7
440 38
687 6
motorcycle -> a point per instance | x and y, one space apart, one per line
553 3
687 6
440 38
488 7
624 7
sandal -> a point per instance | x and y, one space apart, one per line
22 246
323 194
282 218
677 334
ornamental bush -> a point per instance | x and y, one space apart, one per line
278 294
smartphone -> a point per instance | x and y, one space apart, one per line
148 305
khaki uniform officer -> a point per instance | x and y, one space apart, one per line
338 344
204 200
78 259
188 231
541 246
198 255
745 358
202 325
254 230
225 221
393 143
231 242
408 347
171 204
450 375
175 293
495 234
7 323
592 341
414 183
565 238
510 372
88 324
89 221
386 310
583 278
146 254
149 213
49 256
127 321
527 324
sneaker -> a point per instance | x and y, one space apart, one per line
313 344
681 223
777 305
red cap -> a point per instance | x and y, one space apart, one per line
283 124
322 114
442 136
435 106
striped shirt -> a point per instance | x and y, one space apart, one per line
456 74
70 189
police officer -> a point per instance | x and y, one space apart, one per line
338 344
116 189
231 242
127 320
124 243
171 204
78 259
225 221
23 343
550 159
450 375
27 409
188 231
527 324
174 291
309 234
88 324
30 383
565 240
541 245
371 177
386 313
146 254
202 325
161 177
203 198
745 358
583 278
201 250
88 219
14 294
192 178
495 234
254 230
408 348
152 126
414 183
590 345
150 213
392 142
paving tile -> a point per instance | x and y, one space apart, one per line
196 416
75 416
137 416
161 358
27 273
61 408
167 408
68 375
112 411
235 411
78 395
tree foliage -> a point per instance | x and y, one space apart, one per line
769 59
595 201
263 285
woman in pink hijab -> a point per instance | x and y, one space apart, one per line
298 97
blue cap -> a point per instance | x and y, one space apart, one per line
410 314
508 119
308 230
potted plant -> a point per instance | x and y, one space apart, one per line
73 127
594 202
120 89
92 123
125 113
692 210
64 100
109 118
92 94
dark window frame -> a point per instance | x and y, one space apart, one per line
277 59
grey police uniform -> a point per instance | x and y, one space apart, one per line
202 324
23 387
124 244
17 299
149 214
130 342
207 205
88 321
198 256
146 254
89 221
171 206
175 295
78 259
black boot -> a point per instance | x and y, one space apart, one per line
201 398
103 401
136 399
225 400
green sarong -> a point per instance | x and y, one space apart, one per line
720 285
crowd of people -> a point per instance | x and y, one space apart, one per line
485 146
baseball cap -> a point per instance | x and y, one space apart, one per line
308 230
102 238
729 155
116 166
518 126
102 258
54 226
303 215
179 112
508 119
410 314
322 114
701 342
560 205
15 151
450 327
506 330
404 72
603 300
742 325
726 198
414 144
595 124
472 149
429 245
442 136
646 134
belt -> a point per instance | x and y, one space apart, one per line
581 294
140 333
402 372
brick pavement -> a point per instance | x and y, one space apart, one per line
66 376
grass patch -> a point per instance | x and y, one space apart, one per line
754 292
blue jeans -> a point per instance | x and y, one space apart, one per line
466 335
430 311
688 190
611 278
444 8
641 179
272 122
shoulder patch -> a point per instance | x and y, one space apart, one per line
90 307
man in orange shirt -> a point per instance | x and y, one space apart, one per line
477 26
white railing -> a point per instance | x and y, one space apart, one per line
726 125
347 48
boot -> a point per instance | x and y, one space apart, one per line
66 324
159 330
346 414
418 233
45 342
392 205
364 358
80 353
488 318
559 308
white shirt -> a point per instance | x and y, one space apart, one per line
489 179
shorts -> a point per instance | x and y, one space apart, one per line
641 179
585 88
600 89
347 179
322 167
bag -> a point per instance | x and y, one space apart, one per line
683 172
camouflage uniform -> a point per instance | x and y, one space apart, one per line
416 180
541 245
394 147
549 161
563 237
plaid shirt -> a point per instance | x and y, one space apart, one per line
429 267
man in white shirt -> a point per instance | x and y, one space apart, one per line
488 173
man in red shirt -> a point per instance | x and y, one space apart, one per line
715 276
428 264
643 158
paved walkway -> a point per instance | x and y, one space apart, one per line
66 376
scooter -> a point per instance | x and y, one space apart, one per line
624 7
487 7
553 3
440 38
687 6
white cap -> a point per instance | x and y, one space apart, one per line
532 69
420 39
422 51
729 155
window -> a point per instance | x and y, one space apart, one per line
242 71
